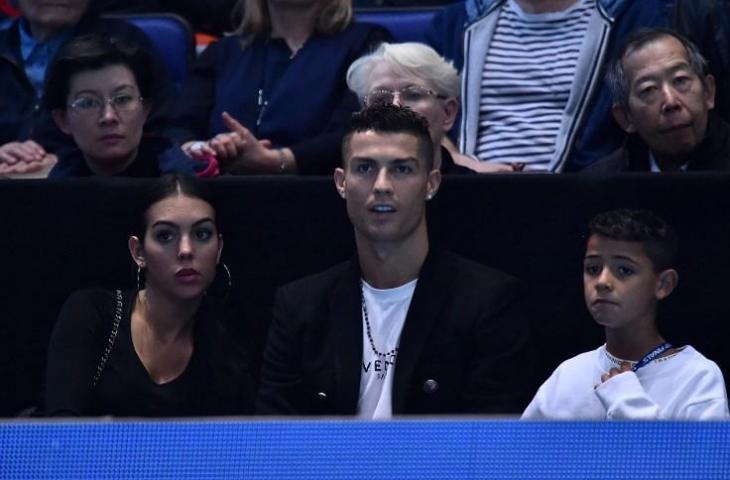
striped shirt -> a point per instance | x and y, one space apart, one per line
526 83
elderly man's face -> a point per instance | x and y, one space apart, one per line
53 14
668 101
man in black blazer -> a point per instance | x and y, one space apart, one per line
399 329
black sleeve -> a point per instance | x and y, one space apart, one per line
499 376
74 351
322 154
196 99
280 387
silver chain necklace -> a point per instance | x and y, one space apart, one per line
368 329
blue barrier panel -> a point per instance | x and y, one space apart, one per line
334 449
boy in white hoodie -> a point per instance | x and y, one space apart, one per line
636 374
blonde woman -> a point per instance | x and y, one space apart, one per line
272 97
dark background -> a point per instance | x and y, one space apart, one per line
58 236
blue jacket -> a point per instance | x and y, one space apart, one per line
588 132
300 101
22 116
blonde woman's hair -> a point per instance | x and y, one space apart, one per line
410 59
333 16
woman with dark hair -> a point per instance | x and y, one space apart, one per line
272 98
100 92
160 350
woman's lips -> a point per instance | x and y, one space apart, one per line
187 275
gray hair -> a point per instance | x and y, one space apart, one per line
408 59
616 79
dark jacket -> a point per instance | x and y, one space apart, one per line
300 101
156 156
23 117
712 154
464 345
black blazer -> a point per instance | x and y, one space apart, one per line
464 330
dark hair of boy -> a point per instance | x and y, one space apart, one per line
658 238
93 52
391 119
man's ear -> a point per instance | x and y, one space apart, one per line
136 251
668 280
709 84
340 181
623 118
59 117
434 182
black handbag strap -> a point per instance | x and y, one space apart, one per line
110 341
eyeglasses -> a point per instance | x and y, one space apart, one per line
409 96
121 103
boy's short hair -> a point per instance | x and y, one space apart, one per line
391 119
657 237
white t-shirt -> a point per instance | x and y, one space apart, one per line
681 386
386 313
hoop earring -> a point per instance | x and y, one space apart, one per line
229 280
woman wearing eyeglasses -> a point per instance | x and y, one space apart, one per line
415 76
272 98
99 91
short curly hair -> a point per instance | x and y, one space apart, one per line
657 237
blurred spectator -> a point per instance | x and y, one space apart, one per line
27 47
273 98
415 76
100 92
662 98
532 89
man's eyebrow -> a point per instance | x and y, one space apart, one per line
682 65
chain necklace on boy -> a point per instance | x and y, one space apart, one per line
368 329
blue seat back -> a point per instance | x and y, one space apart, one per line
405 24
171 35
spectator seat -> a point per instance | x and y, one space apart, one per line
405 24
171 35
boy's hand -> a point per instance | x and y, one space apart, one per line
625 367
